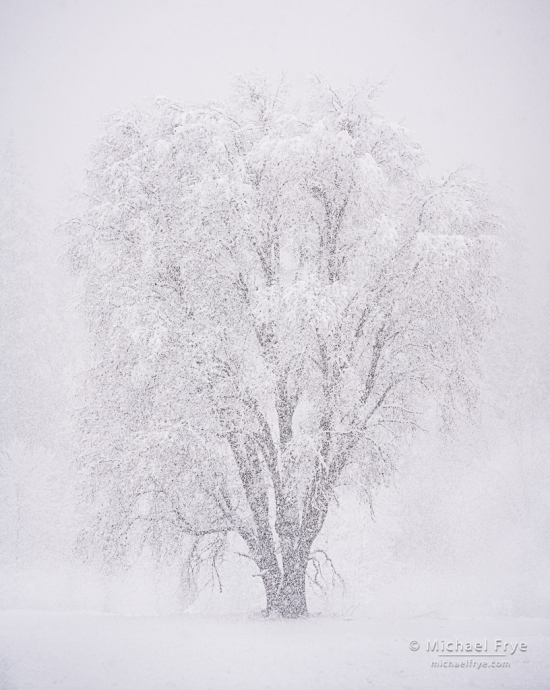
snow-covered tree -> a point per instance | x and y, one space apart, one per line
274 294
22 415
33 356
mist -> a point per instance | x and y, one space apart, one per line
460 530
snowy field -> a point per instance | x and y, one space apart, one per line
91 651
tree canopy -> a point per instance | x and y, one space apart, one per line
274 292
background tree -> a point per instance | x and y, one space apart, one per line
34 375
274 294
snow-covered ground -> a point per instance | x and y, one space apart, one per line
92 651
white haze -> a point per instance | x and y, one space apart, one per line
463 529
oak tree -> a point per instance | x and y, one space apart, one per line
274 292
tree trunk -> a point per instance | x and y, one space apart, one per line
291 600
272 586
296 537
286 595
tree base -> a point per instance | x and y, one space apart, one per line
276 614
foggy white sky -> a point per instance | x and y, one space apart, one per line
470 77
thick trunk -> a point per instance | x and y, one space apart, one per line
272 586
291 600
296 537
286 597
296 526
